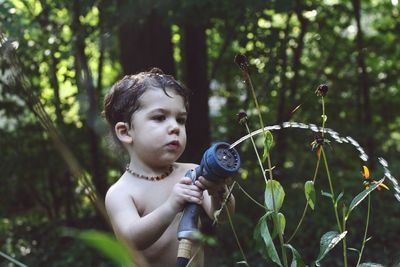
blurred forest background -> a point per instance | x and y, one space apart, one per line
71 52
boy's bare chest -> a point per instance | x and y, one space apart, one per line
151 195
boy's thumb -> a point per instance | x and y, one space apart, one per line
186 180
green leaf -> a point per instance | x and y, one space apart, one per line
264 241
268 141
106 244
361 196
339 197
281 225
324 118
328 241
355 250
281 222
370 264
274 194
326 194
296 258
309 191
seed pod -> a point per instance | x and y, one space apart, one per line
241 61
242 117
322 90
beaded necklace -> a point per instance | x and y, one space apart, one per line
150 178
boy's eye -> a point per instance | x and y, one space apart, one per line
181 120
159 117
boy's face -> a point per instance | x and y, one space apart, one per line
158 127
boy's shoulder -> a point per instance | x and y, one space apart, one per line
118 187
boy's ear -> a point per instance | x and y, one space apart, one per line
122 132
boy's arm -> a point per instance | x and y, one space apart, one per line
129 226
144 231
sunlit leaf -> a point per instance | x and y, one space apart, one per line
309 191
370 264
326 194
281 222
361 196
328 241
355 250
106 244
274 195
268 141
279 227
339 197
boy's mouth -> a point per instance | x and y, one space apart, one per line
173 144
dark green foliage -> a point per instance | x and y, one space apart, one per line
292 47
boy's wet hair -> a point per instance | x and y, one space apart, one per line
122 99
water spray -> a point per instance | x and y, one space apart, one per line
336 137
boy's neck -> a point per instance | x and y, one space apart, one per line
147 172
151 178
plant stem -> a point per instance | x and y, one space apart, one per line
340 227
365 231
284 256
258 155
323 116
247 76
306 206
269 167
344 238
281 241
250 197
230 220
331 189
276 223
224 202
235 235
260 119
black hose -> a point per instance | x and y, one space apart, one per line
181 262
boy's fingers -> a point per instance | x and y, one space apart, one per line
194 199
195 192
200 185
186 180
191 190
206 183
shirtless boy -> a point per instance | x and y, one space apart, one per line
147 113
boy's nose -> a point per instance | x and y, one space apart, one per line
174 128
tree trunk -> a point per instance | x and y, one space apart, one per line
146 45
363 86
280 116
86 87
294 84
195 73
54 83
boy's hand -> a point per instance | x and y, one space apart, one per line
218 195
213 188
184 191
